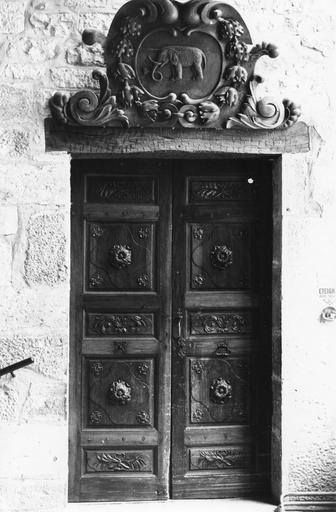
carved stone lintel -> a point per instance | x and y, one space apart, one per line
170 64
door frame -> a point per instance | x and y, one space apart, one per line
276 439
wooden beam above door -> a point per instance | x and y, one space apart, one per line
178 143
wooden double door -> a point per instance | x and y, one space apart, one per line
170 329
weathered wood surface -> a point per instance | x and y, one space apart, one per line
155 142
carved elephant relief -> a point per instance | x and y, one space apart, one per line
178 57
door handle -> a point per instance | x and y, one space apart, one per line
180 342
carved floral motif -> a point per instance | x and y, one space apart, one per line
221 191
143 417
143 232
220 391
127 324
97 368
148 79
267 113
121 347
119 190
143 369
181 347
96 231
198 280
221 257
118 462
95 417
120 256
198 415
143 280
218 323
220 459
86 108
198 367
120 392
198 232
97 280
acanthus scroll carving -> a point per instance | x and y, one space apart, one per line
171 64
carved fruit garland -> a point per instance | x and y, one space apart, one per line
171 83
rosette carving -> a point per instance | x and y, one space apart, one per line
221 257
120 256
220 391
120 392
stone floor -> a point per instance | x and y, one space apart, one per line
175 506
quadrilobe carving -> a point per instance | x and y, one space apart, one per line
223 259
120 259
169 63
121 393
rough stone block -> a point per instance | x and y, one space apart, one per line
46 253
15 102
98 20
8 220
11 17
48 353
84 5
58 24
43 183
25 72
6 260
40 50
83 55
14 142
9 400
38 458
44 401
37 310
66 78
32 495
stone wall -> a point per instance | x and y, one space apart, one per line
41 52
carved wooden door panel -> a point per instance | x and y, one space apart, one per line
120 330
136 310
222 341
